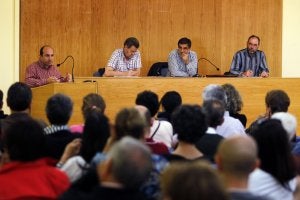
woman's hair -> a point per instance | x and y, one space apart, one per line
274 150
234 100
91 102
192 181
95 134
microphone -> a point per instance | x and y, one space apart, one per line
72 73
217 68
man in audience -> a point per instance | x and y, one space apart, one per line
230 126
59 110
250 62
2 115
236 158
25 172
44 71
126 61
214 113
182 61
161 131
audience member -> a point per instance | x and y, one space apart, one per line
169 102
90 102
58 110
276 101
128 164
126 61
275 177
2 115
44 71
182 61
192 181
250 61
236 158
95 135
26 173
190 125
214 114
161 131
230 126
234 103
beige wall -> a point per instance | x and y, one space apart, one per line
291 39
9 44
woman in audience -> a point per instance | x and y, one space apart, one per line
190 125
275 178
94 138
234 103
192 181
169 102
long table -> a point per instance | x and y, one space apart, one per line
120 92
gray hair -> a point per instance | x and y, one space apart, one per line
288 121
131 162
212 92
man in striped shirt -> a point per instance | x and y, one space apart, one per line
44 71
126 61
250 61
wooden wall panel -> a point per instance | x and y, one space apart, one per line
90 30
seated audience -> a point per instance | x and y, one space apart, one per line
230 126
161 131
169 102
234 103
127 165
236 158
214 114
58 110
190 125
275 178
192 181
25 172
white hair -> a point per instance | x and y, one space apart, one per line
288 121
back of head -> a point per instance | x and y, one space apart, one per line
214 112
274 150
170 101
148 99
277 101
23 138
189 123
59 109
19 97
95 134
91 102
288 121
213 91
234 100
129 122
131 41
237 156
131 162
192 181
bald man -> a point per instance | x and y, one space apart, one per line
236 158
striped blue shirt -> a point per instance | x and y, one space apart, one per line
177 67
243 61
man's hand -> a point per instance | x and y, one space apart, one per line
68 77
52 79
185 58
248 73
264 74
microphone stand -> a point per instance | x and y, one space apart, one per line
72 72
217 68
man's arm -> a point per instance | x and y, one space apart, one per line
192 66
109 71
174 66
264 66
235 67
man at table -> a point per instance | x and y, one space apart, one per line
44 71
125 61
183 62
250 61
